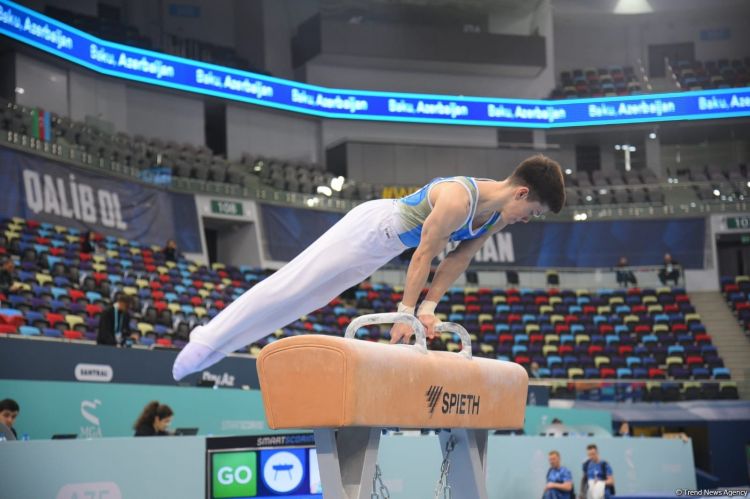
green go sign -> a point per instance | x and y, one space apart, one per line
232 208
738 223
234 474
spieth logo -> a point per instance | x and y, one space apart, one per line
94 372
433 394
452 403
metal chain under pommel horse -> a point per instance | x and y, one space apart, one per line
347 390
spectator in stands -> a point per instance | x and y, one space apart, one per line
154 420
598 481
460 209
534 370
114 323
625 276
88 243
8 282
170 251
559 479
624 430
670 271
9 410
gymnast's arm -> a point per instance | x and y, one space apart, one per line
448 214
456 263
453 265
451 206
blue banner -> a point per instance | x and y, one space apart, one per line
113 59
53 192
597 244
288 231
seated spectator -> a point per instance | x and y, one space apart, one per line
624 430
170 251
9 410
559 479
154 420
114 323
670 271
625 277
534 370
8 282
88 244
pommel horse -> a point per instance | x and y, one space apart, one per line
347 390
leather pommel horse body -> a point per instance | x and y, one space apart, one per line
355 388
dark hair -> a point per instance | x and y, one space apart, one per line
150 412
9 405
592 446
126 299
544 178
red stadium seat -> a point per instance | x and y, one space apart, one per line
8 329
93 309
73 335
655 373
54 318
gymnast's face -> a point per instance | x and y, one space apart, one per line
521 209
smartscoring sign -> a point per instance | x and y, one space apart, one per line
113 59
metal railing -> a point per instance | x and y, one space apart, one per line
680 199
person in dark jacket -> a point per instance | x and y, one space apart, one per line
88 242
670 271
171 254
625 276
114 323
154 420
7 277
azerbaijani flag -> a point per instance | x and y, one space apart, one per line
41 127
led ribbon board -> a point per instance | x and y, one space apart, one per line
121 61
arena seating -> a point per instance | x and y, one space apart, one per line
597 82
201 165
737 293
571 334
705 75
109 27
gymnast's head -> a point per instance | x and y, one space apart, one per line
537 186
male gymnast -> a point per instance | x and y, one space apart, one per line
463 209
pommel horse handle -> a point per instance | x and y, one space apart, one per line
421 340
389 318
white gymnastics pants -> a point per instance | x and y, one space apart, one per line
350 251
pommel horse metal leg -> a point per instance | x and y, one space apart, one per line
467 476
346 459
347 390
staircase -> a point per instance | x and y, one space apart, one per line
727 336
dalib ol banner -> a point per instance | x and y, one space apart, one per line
48 191
288 231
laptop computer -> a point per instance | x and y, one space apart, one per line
185 431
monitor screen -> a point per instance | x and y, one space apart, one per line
263 467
